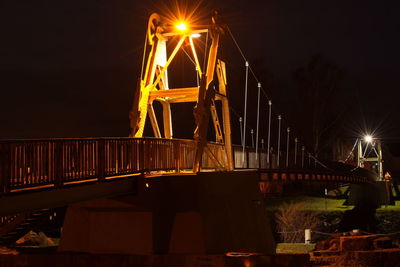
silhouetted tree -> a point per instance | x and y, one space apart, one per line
320 110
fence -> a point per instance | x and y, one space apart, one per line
292 160
54 162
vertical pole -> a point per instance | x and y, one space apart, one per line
307 236
279 139
360 163
380 167
197 77
295 151
245 109
241 130
287 146
302 156
258 117
326 194
262 143
252 138
309 159
269 131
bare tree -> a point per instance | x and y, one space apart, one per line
318 85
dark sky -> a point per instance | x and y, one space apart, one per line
69 68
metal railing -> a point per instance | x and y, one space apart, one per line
57 162
257 159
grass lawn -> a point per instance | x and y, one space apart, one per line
313 203
390 207
290 248
318 203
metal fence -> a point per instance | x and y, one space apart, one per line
55 162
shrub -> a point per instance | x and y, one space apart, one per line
292 219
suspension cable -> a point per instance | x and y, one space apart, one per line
248 67
258 117
190 58
354 146
245 108
245 59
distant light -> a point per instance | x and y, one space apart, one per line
147 185
195 35
181 27
368 138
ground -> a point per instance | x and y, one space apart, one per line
330 212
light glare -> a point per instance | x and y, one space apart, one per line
181 27
368 138
195 35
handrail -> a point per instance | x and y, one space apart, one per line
56 162
27 164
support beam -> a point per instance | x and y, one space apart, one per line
153 120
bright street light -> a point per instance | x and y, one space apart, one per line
368 138
181 27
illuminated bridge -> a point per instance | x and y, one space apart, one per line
169 195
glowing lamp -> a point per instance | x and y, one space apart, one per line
368 138
181 27
195 35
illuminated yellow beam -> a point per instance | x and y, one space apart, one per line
178 46
195 56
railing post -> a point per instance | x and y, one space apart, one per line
142 159
101 159
58 164
177 152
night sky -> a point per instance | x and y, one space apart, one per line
69 68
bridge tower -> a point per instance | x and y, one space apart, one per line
154 86
370 150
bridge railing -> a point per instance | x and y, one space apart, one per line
250 159
56 162
30 163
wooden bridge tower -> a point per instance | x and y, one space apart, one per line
154 86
